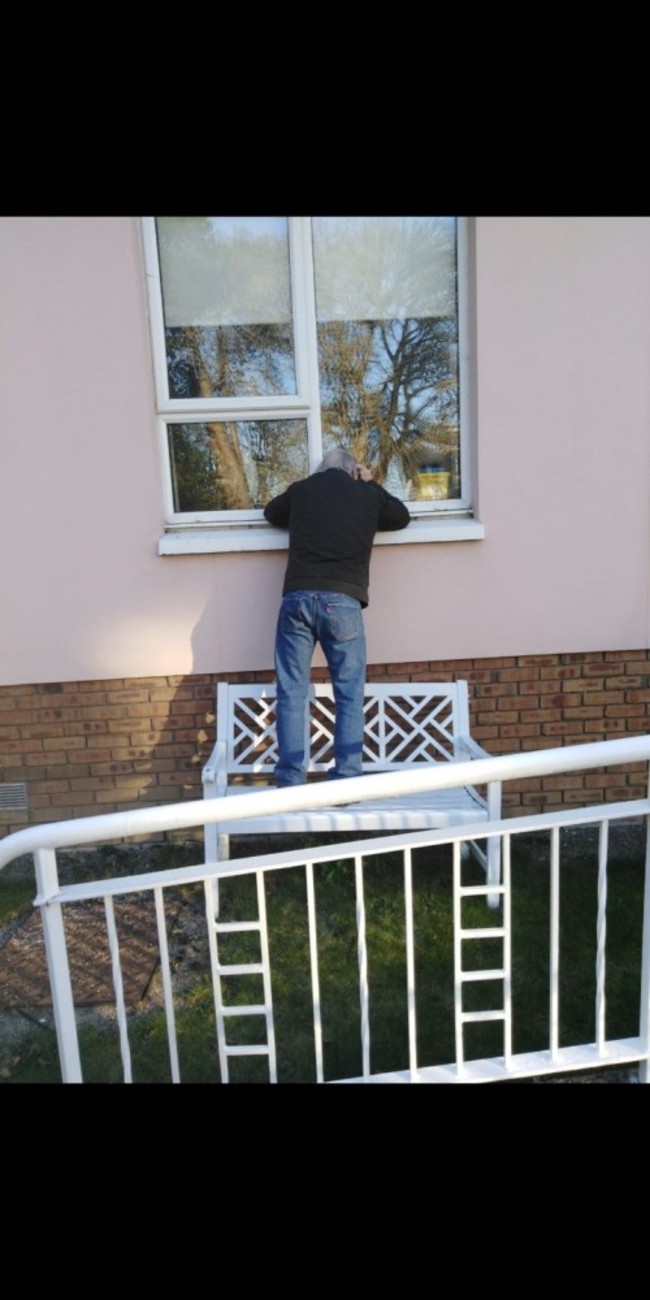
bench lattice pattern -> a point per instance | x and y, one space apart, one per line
406 726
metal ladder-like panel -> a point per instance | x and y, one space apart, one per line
226 1010
464 935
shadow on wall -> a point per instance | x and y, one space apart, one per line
187 705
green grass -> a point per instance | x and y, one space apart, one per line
37 1060
16 898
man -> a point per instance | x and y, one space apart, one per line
332 518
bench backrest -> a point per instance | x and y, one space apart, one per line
406 722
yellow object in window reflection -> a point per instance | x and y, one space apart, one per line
433 483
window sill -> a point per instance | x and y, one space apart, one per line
261 537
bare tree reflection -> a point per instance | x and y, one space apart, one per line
389 378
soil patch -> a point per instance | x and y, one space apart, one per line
24 978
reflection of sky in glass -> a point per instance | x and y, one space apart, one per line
224 271
383 268
255 226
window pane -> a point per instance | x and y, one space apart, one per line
235 465
227 306
387 328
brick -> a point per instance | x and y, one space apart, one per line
525 660
61 744
591 656
541 715
513 701
507 745
149 710
625 792
611 655
539 742
567 672
567 781
518 674
625 711
594 670
128 696
20 774
519 730
625 683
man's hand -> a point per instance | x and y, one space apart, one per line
362 473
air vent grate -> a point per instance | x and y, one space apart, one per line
13 796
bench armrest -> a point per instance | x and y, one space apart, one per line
214 771
471 747
493 789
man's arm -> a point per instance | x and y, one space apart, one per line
277 511
393 514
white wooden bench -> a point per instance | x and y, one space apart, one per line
406 723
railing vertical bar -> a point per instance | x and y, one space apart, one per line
118 985
58 966
554 942
644 1016
363 965
211 888
266 977
410 964
313 962
507 950
167 983
458 985
601 933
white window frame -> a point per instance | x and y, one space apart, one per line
243 530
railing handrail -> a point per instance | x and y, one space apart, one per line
416 780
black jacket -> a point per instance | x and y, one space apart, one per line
332 520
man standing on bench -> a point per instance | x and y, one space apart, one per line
332 518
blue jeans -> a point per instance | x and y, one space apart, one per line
334 621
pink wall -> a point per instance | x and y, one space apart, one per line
563 405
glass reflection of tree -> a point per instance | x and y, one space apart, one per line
388 383
389 390
225 356
208 361
270 455
389 377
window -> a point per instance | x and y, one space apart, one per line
276 339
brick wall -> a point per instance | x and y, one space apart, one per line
83 748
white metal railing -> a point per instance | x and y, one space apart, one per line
52 898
